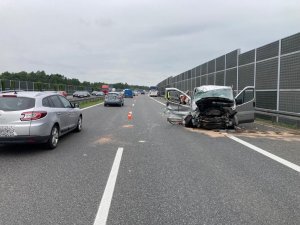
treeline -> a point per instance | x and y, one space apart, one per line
42 77
120 86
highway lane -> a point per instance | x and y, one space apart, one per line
168 175
63 186
183 176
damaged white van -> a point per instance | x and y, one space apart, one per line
211 107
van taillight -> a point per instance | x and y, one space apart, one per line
28 116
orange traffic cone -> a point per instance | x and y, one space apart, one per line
129 116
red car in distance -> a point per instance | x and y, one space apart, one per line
63 93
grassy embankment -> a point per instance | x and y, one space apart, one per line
90 103
278 124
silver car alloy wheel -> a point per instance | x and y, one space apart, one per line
54 136
79 126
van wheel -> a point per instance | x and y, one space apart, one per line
188 121
79 124
54 136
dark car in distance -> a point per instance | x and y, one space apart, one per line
81 94
114 98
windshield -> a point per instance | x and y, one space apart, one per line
220 93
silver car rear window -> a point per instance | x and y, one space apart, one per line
16 103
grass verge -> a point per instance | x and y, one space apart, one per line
278 124
83 105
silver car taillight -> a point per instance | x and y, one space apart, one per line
28 116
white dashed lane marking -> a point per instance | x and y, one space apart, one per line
104 206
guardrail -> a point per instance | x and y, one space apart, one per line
275 113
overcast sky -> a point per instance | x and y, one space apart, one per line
135 41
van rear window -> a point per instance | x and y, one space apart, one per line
16 103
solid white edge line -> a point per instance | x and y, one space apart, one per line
92 106
265 153
157 101
104 206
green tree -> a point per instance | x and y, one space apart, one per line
3 85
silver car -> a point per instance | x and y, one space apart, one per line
37 117
114 98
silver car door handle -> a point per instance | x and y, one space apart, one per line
58 113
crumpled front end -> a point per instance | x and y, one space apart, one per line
212 113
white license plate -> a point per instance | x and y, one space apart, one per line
7 131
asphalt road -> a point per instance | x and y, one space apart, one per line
168 174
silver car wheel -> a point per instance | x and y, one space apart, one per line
79 123
54 135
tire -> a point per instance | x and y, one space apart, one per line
54 137
105 105
79 124
188 121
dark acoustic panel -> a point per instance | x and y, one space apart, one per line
247 57
220 78
267 51
189 74
211 79
198 71
246 76
231 59
290 44
211 66
189 85
231 78
266 99
198 82
186 87
290 71
193 72
204 69
204 80
266 75
182 77
193 83
289 101
220 63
